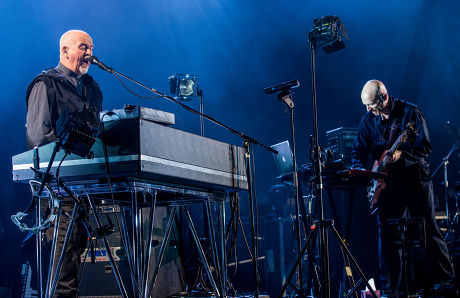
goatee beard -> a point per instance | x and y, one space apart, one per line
83 70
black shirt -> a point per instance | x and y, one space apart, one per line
374 135
56 95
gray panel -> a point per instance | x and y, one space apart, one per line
138 112
144 149
188 155
177 145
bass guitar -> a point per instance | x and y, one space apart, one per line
378 185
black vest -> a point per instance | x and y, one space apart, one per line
66 103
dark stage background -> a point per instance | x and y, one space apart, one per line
236 48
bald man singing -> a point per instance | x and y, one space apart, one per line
408 189
53 97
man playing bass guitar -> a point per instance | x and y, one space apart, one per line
408 189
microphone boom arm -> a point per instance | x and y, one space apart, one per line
246 138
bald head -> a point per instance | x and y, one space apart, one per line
371 89
74 47
375 97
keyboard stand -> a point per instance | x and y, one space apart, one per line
133 196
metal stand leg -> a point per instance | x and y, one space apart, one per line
200 250
120 284
135 225
162 247
327 224
63 249
281 239
213 238
53 251
141 244
294 268
252 208
223 275
38 244
403 229
139 249
149 245
128 249
330 224
347 274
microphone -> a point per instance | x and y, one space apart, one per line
282 87
94 60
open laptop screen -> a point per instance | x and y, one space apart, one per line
284 161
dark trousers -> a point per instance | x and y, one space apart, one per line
67 285
415 197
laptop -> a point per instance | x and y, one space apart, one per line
284 161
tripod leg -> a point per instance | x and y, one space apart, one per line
294 267
355 264
313 280
347 272
324 253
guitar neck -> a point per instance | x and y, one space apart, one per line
410 129
396 144
392 150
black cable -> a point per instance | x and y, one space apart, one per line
232 228
141 96
108 172
235 228
59 168
230 225
245 239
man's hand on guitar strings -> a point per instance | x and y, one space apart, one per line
394 157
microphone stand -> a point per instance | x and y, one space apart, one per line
247 142
285 95
201 96
445 162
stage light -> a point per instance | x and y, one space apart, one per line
328 33
183 86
